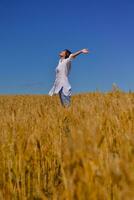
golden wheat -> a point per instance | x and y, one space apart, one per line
84 152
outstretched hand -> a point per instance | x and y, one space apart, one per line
85 51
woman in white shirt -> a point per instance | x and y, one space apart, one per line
61 85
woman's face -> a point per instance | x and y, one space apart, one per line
62 54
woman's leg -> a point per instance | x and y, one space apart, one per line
61 98
65 100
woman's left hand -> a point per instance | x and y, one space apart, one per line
85 51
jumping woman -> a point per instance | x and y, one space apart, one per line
61 85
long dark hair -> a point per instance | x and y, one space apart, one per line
67 53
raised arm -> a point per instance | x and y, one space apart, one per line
85 51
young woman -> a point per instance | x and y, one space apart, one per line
61 85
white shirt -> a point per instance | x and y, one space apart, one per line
62 72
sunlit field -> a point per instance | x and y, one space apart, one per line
84 152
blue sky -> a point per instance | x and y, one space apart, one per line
33 32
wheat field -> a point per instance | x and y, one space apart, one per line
84 152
